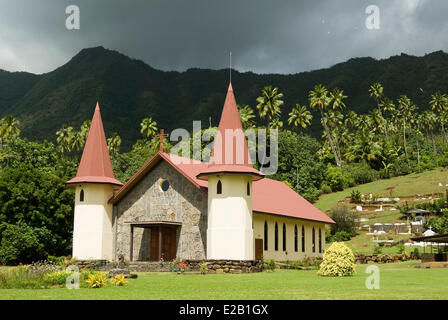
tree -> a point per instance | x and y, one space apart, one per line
65 138
406 110
246 116
269 103
113 144
319 99
376 91
300 116
439 103
148 127
9 128
428 119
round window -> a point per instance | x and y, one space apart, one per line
165 185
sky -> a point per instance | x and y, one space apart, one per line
264 36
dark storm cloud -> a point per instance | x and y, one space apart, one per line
264 35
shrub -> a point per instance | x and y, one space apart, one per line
341 236
119 280
335 179
345 220
355 196
338 261
203 268
416 253
325 188
22 243
270 265
56 277
400 248
378 249
361 172
97 280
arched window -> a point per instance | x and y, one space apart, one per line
296 239
303 239
320 240
276 236
81 195
248 189
284 237
219 187
265 235
314 240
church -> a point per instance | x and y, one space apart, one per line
174 208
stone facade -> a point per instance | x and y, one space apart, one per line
182 203
381 258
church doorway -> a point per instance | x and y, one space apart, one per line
162 241
163 244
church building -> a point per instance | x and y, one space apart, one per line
175 207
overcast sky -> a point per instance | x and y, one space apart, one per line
265 36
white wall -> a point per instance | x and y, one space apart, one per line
92 230
230 228
289 254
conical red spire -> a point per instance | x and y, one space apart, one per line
227 155
95 165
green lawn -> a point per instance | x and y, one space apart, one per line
416 183
397 281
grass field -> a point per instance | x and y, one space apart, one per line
416 183
397 281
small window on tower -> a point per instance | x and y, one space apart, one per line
219 187
248 189
81 195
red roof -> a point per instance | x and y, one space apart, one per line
230 153
95 165
269 196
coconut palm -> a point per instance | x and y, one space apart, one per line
376 91
407 110
300 116
148 127
113 144
85 128
319 99
428 119
439 103
9 128
351 119
65 139
276 123
246 116
269 103
337 97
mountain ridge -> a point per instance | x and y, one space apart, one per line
129 90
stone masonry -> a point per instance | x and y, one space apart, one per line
182 203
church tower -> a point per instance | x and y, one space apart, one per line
94 184
230 174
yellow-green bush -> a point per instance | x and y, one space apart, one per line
97 280
339 261
119 280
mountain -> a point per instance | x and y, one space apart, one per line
129 90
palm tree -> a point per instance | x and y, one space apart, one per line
276 123
269 103
300 116
337 96
9 128
113 144
439 103
246 116
428 119
85 128
407 110
351 119
376 91
64 139
148 127
319 99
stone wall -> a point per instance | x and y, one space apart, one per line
227 266
183 202
381 258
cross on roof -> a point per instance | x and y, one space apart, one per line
162 135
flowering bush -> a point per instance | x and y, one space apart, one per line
338 261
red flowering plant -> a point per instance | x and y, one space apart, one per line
181 266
